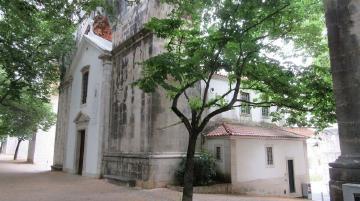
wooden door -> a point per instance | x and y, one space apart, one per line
81 151
290 164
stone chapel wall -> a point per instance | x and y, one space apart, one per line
146 140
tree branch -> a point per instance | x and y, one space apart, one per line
176 110
265 18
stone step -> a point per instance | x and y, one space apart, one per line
120 180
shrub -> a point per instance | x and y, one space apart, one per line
204 170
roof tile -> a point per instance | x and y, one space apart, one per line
227 129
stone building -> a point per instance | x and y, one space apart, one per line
146 140
123 133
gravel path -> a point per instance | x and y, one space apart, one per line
24 182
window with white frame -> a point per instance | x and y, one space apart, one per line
245 107
265 111
269 156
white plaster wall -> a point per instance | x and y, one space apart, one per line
89 57
45 141
11 143
224 164
322 150
219 86
249 166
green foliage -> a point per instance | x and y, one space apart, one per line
247 41
204 170
36 38
23 118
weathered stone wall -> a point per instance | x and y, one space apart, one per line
146 140
62 123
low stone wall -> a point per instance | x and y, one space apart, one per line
213 189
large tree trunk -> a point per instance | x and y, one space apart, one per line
342 19
17 149
189 169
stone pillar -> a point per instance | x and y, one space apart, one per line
62 124
105 105
31 149
343 23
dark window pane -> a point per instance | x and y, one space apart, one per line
357 197
85 81
218 153
245 107
269 156
265 111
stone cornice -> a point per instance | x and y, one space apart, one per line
106 58
132 40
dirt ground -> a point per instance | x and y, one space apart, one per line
20 181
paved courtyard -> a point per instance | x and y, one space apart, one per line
24 182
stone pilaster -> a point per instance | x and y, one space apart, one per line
343 23
105 105
62 124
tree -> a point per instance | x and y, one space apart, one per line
242 40
36 39
24 118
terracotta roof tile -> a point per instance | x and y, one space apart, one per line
227 129
306 132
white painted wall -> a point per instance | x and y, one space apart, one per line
223 165
245 159
322 150
254 150
10 147
250 171
88 56
219 86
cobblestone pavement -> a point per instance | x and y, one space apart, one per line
24 182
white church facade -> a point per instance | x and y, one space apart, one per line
82 118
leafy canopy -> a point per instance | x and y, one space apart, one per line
245 40
24 118
36 39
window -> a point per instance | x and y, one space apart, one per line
85 80
265 111
218 153
269 156
356 197
245 107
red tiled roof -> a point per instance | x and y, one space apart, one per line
306 132
252 131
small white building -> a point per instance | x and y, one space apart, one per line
258 156
260 160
